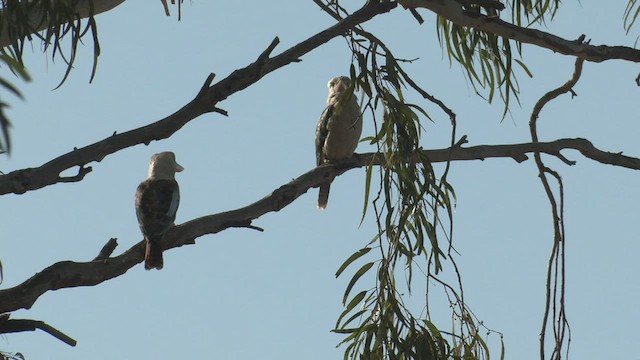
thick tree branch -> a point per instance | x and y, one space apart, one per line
21 181
453 11
66 274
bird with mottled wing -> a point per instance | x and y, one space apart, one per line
338 130
157 200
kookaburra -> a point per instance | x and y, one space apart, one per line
338 130
157 200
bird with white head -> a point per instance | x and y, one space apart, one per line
338 130
157 200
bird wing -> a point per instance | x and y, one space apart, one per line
322 130
157 202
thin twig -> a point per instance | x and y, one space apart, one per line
107 249
19 325
557 252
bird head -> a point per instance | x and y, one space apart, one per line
164 166
338 84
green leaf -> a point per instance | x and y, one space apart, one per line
367 190
392 74
525 68
354 316
351 259
355 279
7 85
14 65
355 301
482 343
629 20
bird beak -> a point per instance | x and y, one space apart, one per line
179 168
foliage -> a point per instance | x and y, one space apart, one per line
17 68
378 323
486 58
21 23
631 14
11 356
533 12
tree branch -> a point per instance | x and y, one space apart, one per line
107 249
66 274
21 181
558 249
19 325
453 11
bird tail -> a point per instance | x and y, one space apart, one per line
153 256
323 195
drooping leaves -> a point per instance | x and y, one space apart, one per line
403 198
59 28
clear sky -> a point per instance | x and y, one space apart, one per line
243 294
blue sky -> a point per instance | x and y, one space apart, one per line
243 294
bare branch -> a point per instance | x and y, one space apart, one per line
19 325
563 89
107 249
21 181
453 11
557 253
82 171
66 274
518 152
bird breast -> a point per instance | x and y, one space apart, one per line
344 130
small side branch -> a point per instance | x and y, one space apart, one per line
555 284
82 172
19 325
565 88
107 250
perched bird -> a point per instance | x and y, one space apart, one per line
338 130
157 200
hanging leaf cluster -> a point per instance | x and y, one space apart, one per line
58 27
407 203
